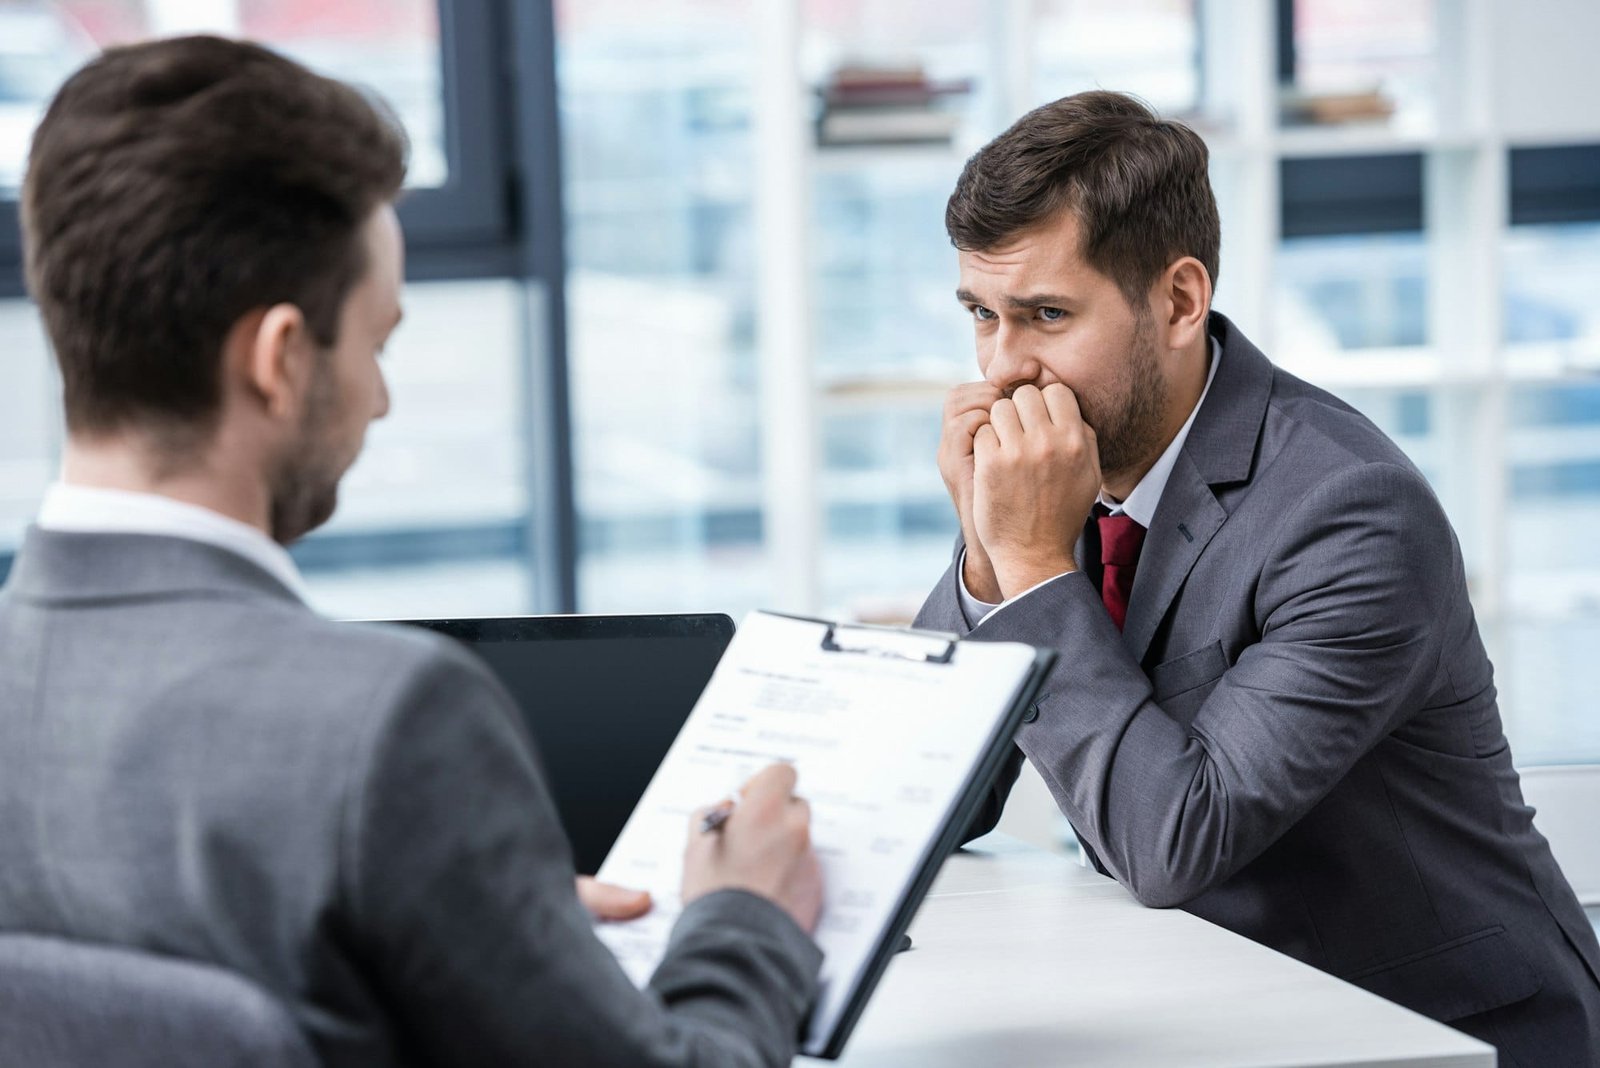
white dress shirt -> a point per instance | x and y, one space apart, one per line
1140 504
90 510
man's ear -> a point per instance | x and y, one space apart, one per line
1183 298
274 352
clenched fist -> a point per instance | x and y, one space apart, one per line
1035 475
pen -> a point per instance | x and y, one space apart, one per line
714 819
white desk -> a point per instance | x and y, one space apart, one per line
1022 958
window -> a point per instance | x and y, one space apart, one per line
656 126
1352 272
393 48
1471 343
1551 271
460 502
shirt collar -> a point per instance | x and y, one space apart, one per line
1140 505
89 509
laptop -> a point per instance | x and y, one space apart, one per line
603 696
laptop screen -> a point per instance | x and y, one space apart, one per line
603 696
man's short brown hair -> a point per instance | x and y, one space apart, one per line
172 188
1136 182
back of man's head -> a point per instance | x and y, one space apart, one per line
172 188
1137 183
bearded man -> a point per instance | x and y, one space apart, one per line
1271 705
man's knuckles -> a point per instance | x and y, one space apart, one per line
1031 451
969 397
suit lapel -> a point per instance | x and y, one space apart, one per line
1184 523
1220 450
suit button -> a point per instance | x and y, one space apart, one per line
1031 714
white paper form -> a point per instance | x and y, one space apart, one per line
882 745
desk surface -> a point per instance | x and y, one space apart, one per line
1023 958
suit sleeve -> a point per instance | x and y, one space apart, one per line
1346 603
461 891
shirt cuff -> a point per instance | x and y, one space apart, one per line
974 609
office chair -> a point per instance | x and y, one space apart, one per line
69 1004
1567 796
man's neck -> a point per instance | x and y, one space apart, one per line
133 468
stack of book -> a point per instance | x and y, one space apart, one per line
1332 108
884 105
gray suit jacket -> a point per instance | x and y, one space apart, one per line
1296 735
193 763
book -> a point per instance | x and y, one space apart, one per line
887 125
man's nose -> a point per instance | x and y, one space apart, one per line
1012 362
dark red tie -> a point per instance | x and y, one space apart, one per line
1120 540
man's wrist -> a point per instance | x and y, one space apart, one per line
978 576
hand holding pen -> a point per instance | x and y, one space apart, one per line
758 841
718 815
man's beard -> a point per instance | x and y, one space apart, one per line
1127 423
305 490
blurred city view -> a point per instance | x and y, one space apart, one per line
659 179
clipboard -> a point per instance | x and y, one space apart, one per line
880 660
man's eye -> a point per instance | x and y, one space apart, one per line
1052 315
982 314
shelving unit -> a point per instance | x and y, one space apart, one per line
1465 365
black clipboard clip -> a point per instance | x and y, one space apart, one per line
892 642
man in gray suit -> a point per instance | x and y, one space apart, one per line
1271 706
192 762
